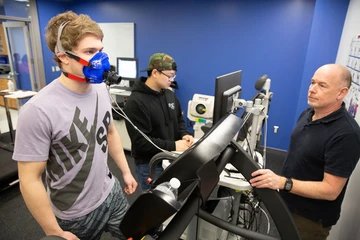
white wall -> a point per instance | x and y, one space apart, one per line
351 28
119 40
348 224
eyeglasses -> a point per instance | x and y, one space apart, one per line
170 77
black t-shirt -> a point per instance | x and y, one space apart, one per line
330 144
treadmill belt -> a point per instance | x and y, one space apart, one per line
8 167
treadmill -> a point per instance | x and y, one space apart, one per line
8 167
198 170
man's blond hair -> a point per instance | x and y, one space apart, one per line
76 28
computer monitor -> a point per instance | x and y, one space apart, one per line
226 87
127 68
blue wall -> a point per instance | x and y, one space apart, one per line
47 10
211 38
329 18
2 11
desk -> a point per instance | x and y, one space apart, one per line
121 128
119 93
13 95
120 96
4 80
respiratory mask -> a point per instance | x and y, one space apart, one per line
96 70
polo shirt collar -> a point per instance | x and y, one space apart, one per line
329 118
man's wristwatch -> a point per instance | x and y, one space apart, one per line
288 185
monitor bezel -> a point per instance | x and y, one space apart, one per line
222 84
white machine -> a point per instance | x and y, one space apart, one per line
200 110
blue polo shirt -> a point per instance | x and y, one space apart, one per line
330 144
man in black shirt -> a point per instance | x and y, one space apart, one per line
156 111
324 150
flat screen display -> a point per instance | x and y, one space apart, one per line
127 68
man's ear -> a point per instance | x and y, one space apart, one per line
154 72
63 58
343 92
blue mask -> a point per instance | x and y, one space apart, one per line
98 64
93 70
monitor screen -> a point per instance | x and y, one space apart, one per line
127 68
227 87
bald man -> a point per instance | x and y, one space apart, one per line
324 150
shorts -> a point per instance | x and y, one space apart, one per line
106 217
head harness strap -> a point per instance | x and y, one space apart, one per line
58 47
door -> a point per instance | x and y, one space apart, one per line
20 55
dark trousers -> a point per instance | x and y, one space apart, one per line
310 230
142 172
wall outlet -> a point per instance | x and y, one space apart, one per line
276 128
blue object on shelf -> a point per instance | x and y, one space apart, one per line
4 59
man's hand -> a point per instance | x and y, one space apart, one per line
130 182
265 178
181 145
69 236
189 139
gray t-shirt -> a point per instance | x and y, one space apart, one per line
69 131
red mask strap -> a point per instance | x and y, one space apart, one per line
79 59
74 77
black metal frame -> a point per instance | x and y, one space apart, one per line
198 169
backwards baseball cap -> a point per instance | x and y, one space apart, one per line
161 62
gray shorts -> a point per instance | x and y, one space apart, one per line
106 217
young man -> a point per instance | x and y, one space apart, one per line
156 111
324 150
67 130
